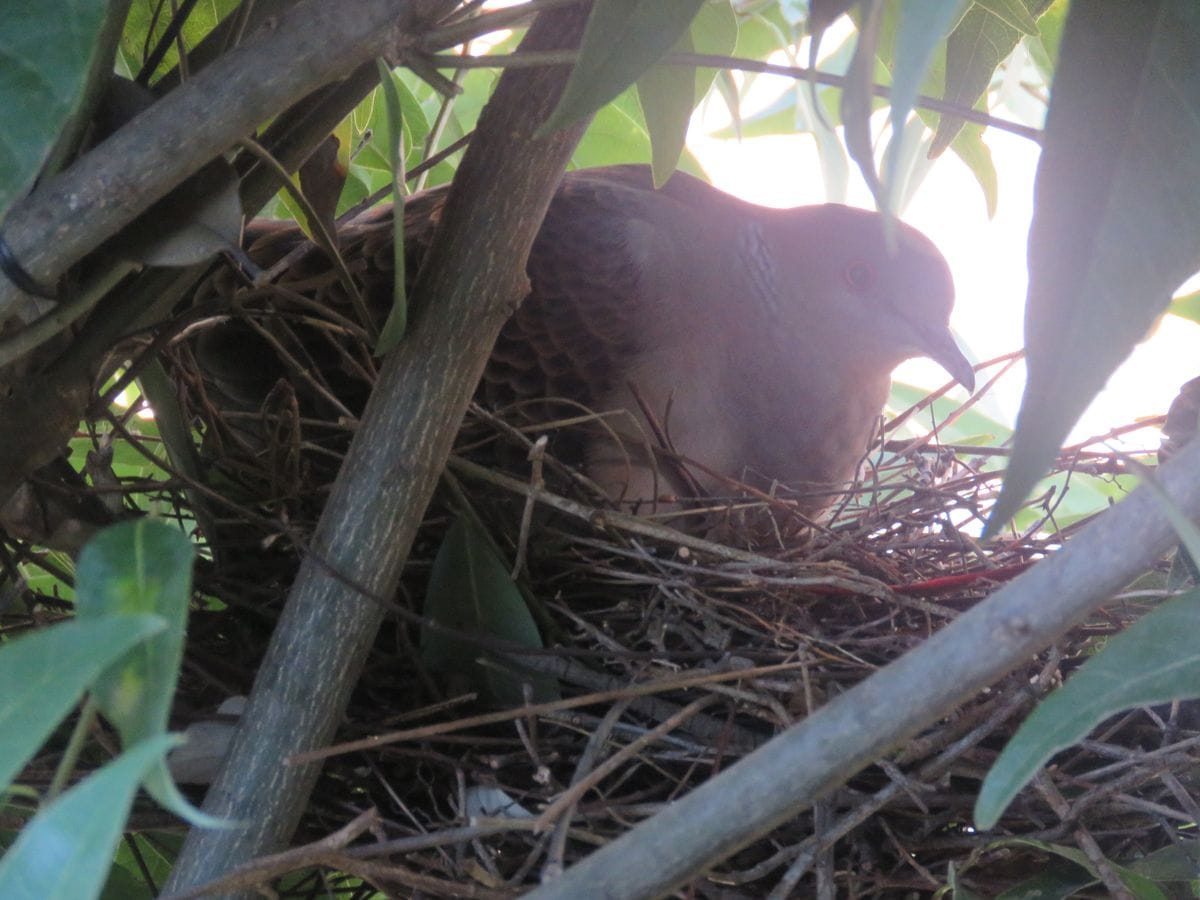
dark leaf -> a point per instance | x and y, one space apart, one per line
623 39
321 178
1154 660
668 94
197 220
46 53
974 50
397 320
470 591
1116 225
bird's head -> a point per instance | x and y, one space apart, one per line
886 300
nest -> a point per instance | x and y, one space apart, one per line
693 651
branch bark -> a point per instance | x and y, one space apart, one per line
798 767
73 212
475 268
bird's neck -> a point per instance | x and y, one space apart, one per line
756 259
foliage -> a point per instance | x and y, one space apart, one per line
124 648
1117 229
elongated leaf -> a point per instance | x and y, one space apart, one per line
968 146
46 52
976 47
857 102
1141 887
622 40
470 591
53 668
397 320
1116 225
923 25
1187 307
1053 881
147 23
67 848
668 94
616 134
1012 13
144 566
1175 862
1154 660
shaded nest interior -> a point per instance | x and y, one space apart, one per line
765 618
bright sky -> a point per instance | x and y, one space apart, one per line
987 258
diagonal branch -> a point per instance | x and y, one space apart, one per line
75 211
806 762
476 270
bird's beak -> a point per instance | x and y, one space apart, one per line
939 345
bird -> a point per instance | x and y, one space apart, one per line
752 346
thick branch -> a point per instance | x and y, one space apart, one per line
804 763
475 269
72 213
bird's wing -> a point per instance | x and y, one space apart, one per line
599 269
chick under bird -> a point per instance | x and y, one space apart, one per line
756 343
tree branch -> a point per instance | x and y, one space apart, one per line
806 762
475 269
75 211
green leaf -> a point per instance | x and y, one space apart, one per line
616 134
1053 881
68 847
623 39
143 566
858 99
46 53
1175 862
971 425
397 320
968 146
1186 307
1044 49
1141 887
714 31
668 96
1154 660
923 24
140 863
762 33
1116 226
1012 13
470 591
148 20
974 50
54 667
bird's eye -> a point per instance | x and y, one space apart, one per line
860 276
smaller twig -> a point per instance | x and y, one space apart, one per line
261 870
633 690
572 794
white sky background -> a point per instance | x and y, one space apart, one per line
986 257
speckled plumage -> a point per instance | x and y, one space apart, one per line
761 341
